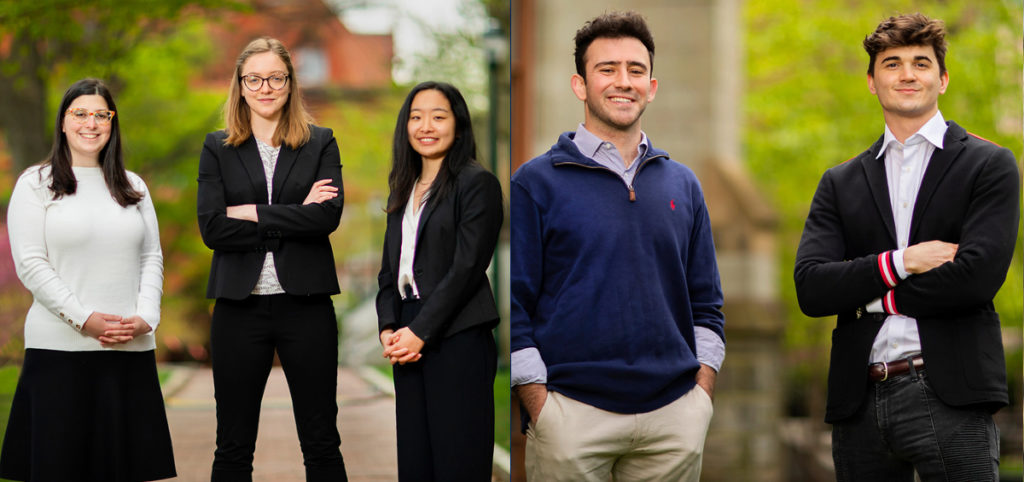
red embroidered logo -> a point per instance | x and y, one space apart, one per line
672 204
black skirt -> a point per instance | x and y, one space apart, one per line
87 416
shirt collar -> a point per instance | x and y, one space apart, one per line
588 143
932 131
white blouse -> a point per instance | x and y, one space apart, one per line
268 283
410 226
83 253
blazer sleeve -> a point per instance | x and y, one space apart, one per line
386 294
826 283
480 219
219 232
313 219
984 252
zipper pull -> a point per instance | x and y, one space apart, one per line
632 194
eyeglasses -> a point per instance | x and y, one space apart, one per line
255 83
81 116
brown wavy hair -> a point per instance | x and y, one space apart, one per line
293 129
906 31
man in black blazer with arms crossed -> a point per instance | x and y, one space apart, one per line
908 243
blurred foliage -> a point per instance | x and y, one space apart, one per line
807 108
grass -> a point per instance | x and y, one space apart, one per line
502 404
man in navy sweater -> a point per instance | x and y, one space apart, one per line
617 333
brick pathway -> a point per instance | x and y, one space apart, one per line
365 419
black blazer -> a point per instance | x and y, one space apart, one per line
969 195
296 234
454 244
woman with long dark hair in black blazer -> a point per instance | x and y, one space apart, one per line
269 196
435 307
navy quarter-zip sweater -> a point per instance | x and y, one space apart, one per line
609 280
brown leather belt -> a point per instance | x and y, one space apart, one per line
880 372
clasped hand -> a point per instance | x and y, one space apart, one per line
113 330
402 346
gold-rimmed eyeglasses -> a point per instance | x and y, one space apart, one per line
81 116
254 82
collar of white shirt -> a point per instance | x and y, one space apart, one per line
932 131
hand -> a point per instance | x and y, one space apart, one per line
532 396
923 257
320 192
138 325
245 212
403 346
108 329
706 379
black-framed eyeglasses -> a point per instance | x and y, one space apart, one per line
254 82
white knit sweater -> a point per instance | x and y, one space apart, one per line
84 253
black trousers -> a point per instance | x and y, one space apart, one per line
444 407
903 427
243 338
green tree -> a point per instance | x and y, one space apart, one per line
44 35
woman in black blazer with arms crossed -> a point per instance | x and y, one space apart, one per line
435 307
269 196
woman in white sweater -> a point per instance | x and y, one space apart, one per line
85 242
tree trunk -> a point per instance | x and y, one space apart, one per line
24 110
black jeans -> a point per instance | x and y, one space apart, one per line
444 406
243 337
902 427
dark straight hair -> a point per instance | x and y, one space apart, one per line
111 158
407 164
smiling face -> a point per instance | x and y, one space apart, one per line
907 82
87 139
265 102
618 84
431 125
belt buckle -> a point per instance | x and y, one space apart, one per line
885 371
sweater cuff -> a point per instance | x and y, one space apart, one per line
75 315
889 303
887 269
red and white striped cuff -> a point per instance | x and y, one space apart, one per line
889 303
887 267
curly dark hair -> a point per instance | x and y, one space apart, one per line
612 25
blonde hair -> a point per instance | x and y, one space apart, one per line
293 128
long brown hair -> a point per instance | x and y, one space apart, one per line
111 158
293 129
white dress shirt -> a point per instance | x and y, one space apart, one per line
410 226
905 165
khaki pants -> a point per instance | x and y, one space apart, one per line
573 441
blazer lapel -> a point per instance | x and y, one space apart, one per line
428 209
874 169
249 156
285 161
942 159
